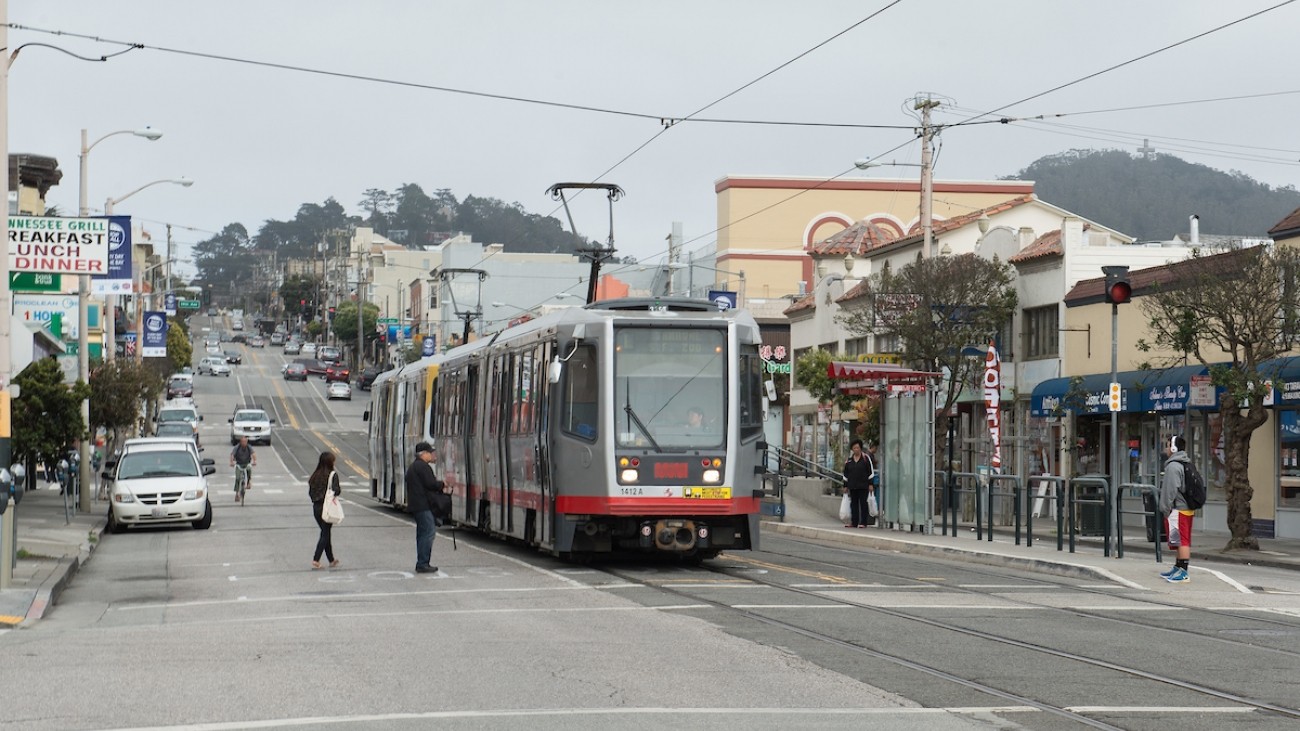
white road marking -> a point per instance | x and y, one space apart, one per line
1226 579
1160 709
792 606
351 596
273 492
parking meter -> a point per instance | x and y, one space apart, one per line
6 487
19 486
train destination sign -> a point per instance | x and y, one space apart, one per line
58 245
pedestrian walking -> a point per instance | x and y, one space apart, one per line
858 471
1173 505
319 484
421 484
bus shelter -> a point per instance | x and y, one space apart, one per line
906 451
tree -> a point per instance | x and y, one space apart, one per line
299 293
810 372
118 389
937 307
46 417
179 351
1238 303
345 322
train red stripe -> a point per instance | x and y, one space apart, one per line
603 505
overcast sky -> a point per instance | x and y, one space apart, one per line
260 141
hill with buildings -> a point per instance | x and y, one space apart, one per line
1151 198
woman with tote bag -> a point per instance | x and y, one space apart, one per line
322 487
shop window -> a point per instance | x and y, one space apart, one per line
1042 331
1288 440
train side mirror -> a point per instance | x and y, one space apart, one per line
365 415
553 371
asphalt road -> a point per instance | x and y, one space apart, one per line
231 628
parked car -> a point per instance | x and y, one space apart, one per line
314 367
179 411
369 374
252 423
158 482
214 365
180 387
234 356
337 372
338 390
295 372
293 347
176 429
329 353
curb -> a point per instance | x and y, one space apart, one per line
1060 568
52 588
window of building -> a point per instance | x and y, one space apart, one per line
858 346
891 343
1042 332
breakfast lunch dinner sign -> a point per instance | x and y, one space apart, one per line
58 245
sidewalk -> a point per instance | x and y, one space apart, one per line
815 516
50 550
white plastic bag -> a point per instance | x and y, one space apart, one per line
332 511
873 507
846 510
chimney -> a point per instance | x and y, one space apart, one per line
1195 226
1071 233
803 288
1025 237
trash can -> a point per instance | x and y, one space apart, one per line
1150 506
1092 509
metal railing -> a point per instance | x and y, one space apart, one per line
1151 514
790 463
1092 499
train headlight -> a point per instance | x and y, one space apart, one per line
629 475
712 475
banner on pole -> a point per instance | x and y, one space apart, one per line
155 335
993 404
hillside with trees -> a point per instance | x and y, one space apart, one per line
1151 198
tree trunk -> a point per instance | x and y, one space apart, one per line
1238 427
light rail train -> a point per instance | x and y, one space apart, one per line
574 432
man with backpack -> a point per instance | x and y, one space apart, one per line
1182 492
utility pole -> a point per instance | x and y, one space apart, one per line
362 289
6 304
927 174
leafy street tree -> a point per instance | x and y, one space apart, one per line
120 393
46 417
810 372
936 307
1238 304
179 351
345 323
299 293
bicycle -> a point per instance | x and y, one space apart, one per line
243 475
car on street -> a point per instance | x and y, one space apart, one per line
329 353
309 348
277 338
237 325
158 482
234 357
293 347
337 372
257 341
368 376
180 388
179 411
214 365
176 429
338 390
314 367
295 372
239 338
213 349
252 423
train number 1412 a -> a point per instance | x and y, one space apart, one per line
631 491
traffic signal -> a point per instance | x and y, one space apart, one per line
302 303
1119 291
331 314
1116 400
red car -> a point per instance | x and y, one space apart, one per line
337 373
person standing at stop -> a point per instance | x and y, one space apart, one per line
858 471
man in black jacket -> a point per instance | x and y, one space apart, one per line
421 484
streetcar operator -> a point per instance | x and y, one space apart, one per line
244 456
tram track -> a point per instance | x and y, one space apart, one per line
1273 621
905 662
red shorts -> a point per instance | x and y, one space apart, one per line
1180 529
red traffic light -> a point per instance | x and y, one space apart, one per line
1119 290
302 303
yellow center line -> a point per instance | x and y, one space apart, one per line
789 570
293 423
339 453
288 412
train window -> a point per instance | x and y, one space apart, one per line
581 389
670 387
751 390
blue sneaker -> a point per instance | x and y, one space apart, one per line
1178 577
1170 572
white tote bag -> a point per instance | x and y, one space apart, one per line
846 509
873 506
332 510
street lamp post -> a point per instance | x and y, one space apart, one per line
110 301
83 293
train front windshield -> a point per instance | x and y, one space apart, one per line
670 387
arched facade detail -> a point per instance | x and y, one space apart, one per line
810 233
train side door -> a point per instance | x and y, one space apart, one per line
540 424
397 438
472 445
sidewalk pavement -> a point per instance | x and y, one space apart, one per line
51 547
816 516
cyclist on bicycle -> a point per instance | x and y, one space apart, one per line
243 456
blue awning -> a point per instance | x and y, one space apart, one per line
1164 389
1286 380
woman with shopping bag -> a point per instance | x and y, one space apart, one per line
323 487
858 471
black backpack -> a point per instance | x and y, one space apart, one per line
1193 487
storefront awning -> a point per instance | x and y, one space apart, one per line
1157 389
1286 382
848 371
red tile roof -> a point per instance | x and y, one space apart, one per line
1287 227
860 289
1089 291
1049 244
856 240
807 303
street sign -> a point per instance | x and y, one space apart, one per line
188 304
388 321
169 303
35 282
